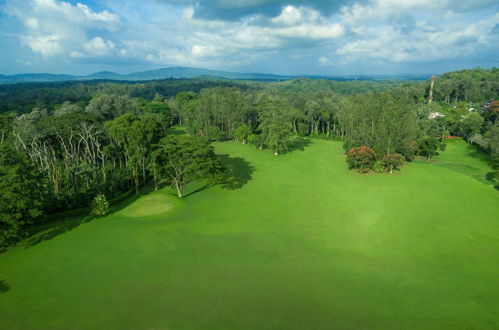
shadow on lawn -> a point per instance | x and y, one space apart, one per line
297 144
238 172
195 191
492 178
51 229
476 152
4 287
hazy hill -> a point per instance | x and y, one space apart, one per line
186 72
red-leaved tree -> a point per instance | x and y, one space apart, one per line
361 158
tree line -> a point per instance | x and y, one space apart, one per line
52 161
68 153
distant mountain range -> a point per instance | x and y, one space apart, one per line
185 72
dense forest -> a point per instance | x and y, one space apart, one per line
67 145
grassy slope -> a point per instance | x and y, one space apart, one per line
464 158
303 244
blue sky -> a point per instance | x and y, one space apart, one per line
285 37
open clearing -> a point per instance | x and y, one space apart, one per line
289 242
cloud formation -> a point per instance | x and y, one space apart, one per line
230 10
50 27
295 36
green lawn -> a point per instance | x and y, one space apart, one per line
464 158
289 242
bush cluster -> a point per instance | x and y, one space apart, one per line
365 160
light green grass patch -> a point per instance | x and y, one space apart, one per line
148 205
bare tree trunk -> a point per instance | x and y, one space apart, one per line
430 97
179 189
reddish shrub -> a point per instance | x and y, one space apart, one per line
361 158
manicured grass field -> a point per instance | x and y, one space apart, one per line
466 159
289 242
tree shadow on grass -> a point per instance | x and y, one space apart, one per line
297 144
492 178
196 190
60 224
51 229
4 287
238 172
477 152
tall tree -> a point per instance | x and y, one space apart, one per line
134 136
109 106
21 189
276 125
385 122
428 147
184 159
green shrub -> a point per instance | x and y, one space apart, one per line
364 170
378 167
100 206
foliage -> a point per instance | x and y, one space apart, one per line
361 157
385 122
472 124
377 167
477 85
92 137
213 113
133 138
100 206
490 111
256 140
21 191
242 132
275 125
109 106
392 161
428 146
180 160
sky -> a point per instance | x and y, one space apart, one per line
324 37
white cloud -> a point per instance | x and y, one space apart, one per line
192 41
292 28
58 27
383 30
373 31
47 46
201 51
95 47
289 15
324 60
103 16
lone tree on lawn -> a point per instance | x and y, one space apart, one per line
361 158
183 159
